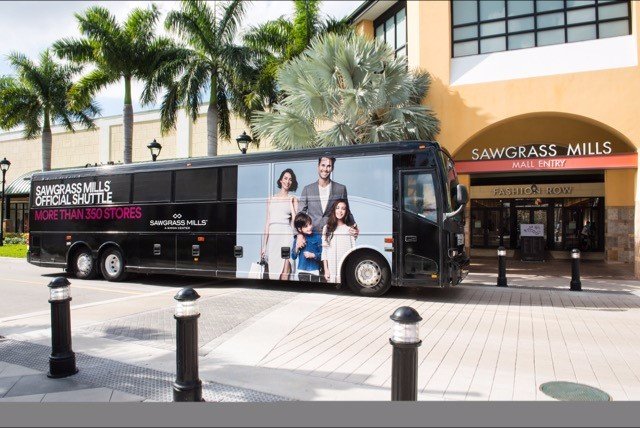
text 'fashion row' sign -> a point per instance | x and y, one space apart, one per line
568 190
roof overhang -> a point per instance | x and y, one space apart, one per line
370 10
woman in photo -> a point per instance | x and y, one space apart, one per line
281 210
336 240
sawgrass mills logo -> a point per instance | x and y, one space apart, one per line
176 222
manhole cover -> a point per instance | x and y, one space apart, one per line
570 391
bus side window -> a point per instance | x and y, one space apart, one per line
229 182
419 196
152 187
196 185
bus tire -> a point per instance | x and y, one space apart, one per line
367 274
112 265
83 266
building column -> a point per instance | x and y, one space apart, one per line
183 134
636 229
465 180
104 128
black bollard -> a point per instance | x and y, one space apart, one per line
62 362
576 284
502 267
404 362
188 386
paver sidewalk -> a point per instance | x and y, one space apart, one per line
98 380
480 342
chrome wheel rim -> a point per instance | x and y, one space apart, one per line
84 264
112 264
368 273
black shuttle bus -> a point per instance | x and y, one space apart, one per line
368 216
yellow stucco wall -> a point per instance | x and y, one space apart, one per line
365 28
68 149
607 96
143 134
238 126
24 155
75 149
620 187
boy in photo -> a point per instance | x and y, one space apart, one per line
309 252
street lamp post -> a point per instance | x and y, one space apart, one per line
243 142
4 165
155 148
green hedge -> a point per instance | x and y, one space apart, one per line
16 238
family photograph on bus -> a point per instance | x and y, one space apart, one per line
318 224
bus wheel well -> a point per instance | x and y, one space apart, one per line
357 253
106 246
74 250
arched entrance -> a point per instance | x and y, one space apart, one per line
566 179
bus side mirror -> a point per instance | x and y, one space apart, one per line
462 194
462 197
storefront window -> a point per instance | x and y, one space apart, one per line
391 28
484 26
18 216
567 223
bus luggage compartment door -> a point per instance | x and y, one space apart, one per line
196 252
419 246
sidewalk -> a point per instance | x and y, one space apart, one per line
98 380
276 343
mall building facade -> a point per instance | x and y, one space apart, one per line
538 105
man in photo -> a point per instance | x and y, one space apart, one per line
318 197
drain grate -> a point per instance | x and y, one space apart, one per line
570 391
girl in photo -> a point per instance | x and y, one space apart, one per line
336 240
281 210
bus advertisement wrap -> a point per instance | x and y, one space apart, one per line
299 220
365 217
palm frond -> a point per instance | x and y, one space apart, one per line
356 85
232 15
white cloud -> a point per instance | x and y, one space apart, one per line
32 26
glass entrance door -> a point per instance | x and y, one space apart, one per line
531 216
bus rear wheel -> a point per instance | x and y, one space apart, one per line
367 274
112 265
83 264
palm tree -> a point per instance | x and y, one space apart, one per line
354 85
37 98
281 40
119 52
211 62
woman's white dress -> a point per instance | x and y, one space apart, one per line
280 234
333 251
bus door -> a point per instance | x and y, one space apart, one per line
419 234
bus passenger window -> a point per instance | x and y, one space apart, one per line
196 185
152 187
229 182
120 188
419 196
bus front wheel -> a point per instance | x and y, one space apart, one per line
112 265
83 264
367 274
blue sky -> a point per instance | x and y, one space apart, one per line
32 26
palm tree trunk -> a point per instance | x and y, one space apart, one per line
127 118
46 142
212 119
